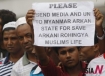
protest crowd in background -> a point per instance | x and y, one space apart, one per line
56 39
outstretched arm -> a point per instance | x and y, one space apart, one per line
99 20
40 51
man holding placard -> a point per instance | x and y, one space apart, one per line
69 56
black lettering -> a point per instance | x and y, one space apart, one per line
42 15
78 27
49 35
49 28
63 5
73 35
60 14
58 21
51 5
75 14
57 42
42 28
86 14
64 27
76 42
82 21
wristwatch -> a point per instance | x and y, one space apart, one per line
102 37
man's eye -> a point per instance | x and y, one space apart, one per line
5 39
29 35
20 38
63 52
71 50
14 38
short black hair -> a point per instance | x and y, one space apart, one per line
7 16
57 48
78 47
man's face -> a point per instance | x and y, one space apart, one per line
10 41
69 56
24 33
86 53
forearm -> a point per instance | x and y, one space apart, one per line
100 33
42 55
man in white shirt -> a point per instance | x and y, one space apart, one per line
96 67
24 66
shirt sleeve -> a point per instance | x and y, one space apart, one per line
50 69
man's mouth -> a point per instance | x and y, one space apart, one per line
27 46
10 48
69 61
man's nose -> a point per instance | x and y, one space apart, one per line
25 40
68 54
9 42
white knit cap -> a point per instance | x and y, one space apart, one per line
10 24
20 21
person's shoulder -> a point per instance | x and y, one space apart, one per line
2 61
98 60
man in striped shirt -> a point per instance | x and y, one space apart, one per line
13 47
6 66
5 17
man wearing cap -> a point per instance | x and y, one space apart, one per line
5 17
11 44
27 65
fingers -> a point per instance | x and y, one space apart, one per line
30 14
48 49
31 11
98 14
95 11
59 65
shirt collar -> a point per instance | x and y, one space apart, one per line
37 70
7 58
25 59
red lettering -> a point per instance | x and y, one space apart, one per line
98 69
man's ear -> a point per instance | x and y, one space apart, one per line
96 47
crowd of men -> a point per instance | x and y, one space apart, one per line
22 58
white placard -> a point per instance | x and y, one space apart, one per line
64 24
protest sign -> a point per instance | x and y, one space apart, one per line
64 24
